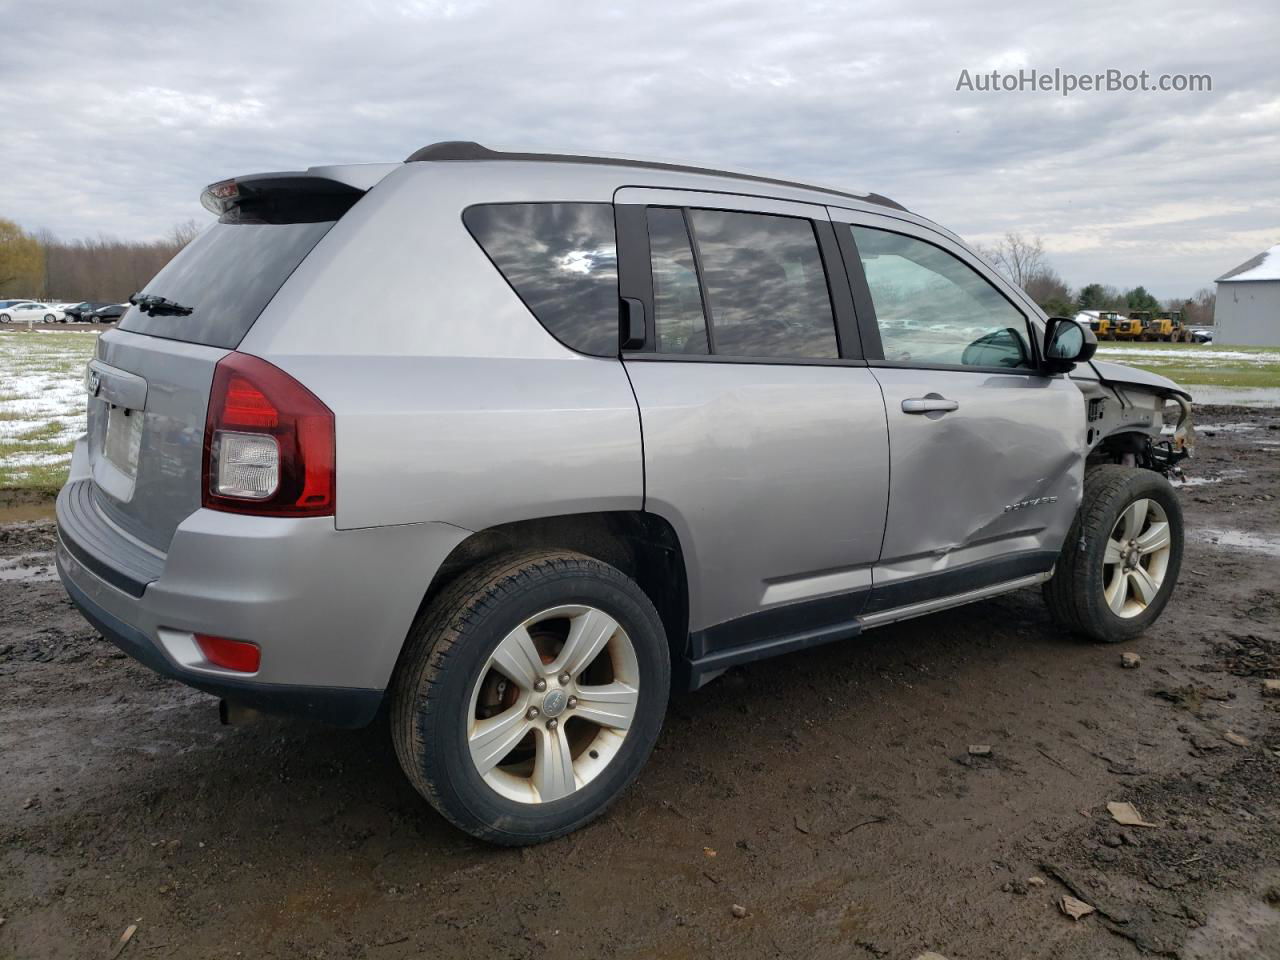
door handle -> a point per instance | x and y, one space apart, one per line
634 330
930 404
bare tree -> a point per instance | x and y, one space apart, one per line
183 233
1018 258
1198 311
105 268
1050 291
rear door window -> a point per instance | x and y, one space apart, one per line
227 276
562 261
679 317
764 285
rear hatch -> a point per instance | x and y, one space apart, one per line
149 383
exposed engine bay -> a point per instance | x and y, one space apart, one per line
1126 411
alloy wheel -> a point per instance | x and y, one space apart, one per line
1136 558
553 704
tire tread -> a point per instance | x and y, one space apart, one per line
1070 593
433 643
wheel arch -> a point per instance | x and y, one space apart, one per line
642 545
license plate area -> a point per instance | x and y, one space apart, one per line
123 439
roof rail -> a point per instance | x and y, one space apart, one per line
448 150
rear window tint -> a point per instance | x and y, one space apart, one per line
562 261
765 285
227 276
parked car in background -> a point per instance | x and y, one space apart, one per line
1201 334
30 311
81 312
108 314
648 423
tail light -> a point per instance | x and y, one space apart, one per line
268 443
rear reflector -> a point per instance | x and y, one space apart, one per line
268 443
239 655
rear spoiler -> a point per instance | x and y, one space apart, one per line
290 197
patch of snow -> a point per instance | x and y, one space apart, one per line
41 384
1205 355
21 460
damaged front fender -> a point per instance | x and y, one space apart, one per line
1126 421
1121 375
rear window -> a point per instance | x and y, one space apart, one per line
562 261
227 275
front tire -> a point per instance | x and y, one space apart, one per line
530 694
1120 562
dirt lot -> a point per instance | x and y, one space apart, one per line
831 793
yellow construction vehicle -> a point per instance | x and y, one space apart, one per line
1104 325
1167 326
1130 327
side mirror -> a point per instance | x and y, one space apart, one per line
1067 343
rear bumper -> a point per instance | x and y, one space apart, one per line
329 608
339 706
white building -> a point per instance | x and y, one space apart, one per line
1248 306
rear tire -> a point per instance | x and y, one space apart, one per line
456 695
1114 576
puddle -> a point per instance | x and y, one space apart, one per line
26 512
1239 539
1241 427
1239 927
1198 481
1235 396
29 568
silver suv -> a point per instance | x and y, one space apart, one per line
613 428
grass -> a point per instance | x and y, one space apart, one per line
45 481
44 431
42 406
1208 349
1197 376
1200 365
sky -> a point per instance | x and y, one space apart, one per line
115 116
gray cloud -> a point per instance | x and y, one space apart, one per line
115 116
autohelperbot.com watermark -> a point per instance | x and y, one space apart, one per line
1065 83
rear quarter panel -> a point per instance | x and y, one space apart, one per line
452 402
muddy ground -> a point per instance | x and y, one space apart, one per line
830 793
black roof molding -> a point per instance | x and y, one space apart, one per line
448 150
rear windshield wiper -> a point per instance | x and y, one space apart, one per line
154 306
